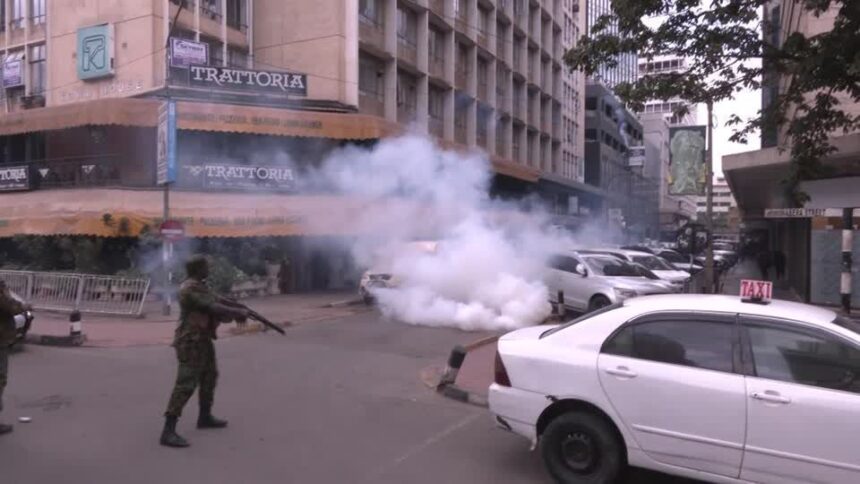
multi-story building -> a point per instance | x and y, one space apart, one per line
610 133
668 107
809 233
91 87
723 199
674 210
625 69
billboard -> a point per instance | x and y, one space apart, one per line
165 166
13 73
184 53
687 169
95 52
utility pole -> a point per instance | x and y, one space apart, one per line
847 247
709 179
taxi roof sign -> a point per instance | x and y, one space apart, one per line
756 291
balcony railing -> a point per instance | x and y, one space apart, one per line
407 51
437 67
371 32
371 103
436 127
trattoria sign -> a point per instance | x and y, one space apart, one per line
220 176
14 178
232 79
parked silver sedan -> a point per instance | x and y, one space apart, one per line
592 281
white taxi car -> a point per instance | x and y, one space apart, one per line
702 386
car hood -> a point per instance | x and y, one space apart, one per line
673 276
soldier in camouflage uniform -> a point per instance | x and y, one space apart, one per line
200 312
9 307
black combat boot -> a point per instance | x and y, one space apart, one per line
207 421
5 429
169 437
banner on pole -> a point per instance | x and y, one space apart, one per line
687 164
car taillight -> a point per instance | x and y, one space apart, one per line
501 374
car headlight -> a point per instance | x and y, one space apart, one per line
625 293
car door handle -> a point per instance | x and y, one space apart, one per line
771 397
622 371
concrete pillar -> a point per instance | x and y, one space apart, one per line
390 98
450 64
847 247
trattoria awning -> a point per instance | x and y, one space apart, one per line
102 112
118 213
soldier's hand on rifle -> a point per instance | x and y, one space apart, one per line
241 316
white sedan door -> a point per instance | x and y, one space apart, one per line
672 380
563 277
804 407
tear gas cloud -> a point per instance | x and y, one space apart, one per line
486 271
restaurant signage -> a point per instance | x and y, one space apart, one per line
222 176
184 53
14 178
166 143
233 79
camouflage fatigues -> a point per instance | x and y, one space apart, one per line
9 307
199 315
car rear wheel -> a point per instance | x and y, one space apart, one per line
598 302
581 448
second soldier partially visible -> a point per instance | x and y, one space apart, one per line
201 310
9 307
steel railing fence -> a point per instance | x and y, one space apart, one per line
79 292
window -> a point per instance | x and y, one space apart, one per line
236 16
591 104
463 64
2 23
482 73
698 344
563 263
437 45
483 20
211 9
407 26
37 12
237 58
371 77
436 103
37 69
216 53
369 11
807 358
407 92
591 134
17 20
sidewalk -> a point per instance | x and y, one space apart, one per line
749 270
156 329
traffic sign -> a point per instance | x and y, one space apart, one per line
756 291
172 230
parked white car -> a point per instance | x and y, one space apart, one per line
706 387
382 276
592 281
663 270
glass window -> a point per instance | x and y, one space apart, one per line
370 77
236 16
563 263
37 11
796 356
437 44
37 69
698 344
369 11
407 26
17 19
436 99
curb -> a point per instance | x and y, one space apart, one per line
53 340
347 302
447 386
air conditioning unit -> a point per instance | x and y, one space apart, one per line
33 101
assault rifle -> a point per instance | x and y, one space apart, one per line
251 314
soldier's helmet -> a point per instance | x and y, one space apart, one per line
197 267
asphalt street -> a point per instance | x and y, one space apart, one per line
333 402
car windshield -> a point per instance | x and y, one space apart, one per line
652 262
580 319
673 257
606 265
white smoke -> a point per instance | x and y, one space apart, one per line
486 272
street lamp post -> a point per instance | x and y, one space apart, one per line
709 219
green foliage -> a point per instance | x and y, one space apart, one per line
723 43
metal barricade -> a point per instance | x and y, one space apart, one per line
79 292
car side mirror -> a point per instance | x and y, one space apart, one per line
581 270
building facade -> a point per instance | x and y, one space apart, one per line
668 107
674 211
810 233
625 69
